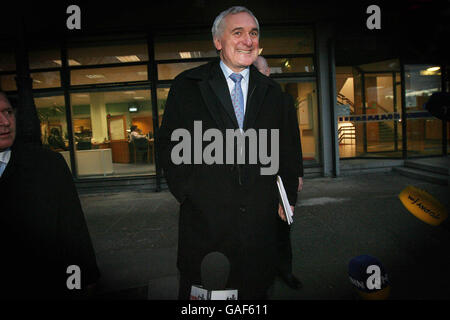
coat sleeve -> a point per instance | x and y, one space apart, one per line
177 175
291 163
73 234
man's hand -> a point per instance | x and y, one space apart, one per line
300 184
281 212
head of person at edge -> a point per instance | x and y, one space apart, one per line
236 37
7 123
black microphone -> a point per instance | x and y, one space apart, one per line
215 269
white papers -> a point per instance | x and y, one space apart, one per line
284 201
199 293
224 294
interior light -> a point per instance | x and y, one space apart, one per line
72 62
139 98
189 55
132 109
128 58
95 76
185 55
431 69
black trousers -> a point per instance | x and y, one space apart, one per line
284 247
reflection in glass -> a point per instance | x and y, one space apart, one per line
424 132
49 58
299 40
8 82
168 71
102 123
108 75
7 60
290 65
169 47
46 79
108 54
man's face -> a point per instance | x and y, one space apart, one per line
7 124
239 42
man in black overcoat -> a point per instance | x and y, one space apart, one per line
45 245
228 207
284 243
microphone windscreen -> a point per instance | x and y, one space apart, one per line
215 269
369 277
423 205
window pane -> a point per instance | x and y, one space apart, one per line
298 40
184 46
305 97
101 124
290 65
424 132
108 54
162 94
108 75
52 116
368 113
50 58
7 60
46 79
388 65
168 71
8 82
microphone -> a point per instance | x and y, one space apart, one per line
215 269
214 272
369 278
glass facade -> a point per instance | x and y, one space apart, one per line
424 132
369 110
110 82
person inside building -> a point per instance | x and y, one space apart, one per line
55 140
284 239
46 248
136 133
228 207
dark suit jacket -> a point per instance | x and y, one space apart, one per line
226 207
43 227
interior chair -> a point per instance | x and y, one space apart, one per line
140 146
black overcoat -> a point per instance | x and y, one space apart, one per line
43 227
230 208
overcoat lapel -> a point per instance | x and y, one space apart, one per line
215 87
256 94
219 86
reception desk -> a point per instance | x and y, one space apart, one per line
92 162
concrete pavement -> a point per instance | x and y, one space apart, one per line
135 239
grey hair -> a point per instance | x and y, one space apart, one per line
217 28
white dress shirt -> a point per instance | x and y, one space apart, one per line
244 82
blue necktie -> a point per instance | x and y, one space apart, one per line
237 97
2 167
